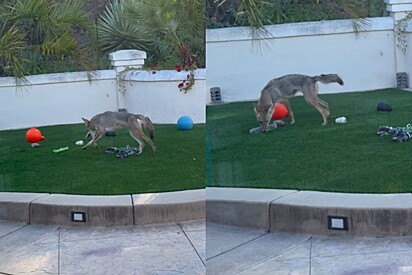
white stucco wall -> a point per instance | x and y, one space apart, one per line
407 55
55 99
158 96
365 61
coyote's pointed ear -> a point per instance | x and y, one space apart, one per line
87 122
268 107
255 108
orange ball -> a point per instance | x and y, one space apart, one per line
33 135
280 112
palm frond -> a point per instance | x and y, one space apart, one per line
62 45
148 15
68 14
32 16
257 20
117 32
174 22
45 34
11 43
357 13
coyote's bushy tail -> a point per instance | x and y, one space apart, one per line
150 127
328 78
147 123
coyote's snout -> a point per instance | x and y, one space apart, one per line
108 121
279 90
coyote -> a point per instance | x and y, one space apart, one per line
109 121
279 90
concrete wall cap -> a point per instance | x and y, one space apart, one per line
345 200
298 29
84 200
127 55
246 194
397 2
60 78
170 197
20 197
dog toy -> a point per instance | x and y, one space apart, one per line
341 119
383 107
271 127
184 123
122 152
33 135
110 134
399 134
56 151
79 142
279 112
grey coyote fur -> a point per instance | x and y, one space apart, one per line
279 90
108 121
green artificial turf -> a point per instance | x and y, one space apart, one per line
179 165
307 156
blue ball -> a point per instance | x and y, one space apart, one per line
185 123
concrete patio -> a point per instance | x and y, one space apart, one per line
177 248
236 250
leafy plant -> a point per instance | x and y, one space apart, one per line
400 28
11 43
170 31
258 13
116 32
187 83
45 30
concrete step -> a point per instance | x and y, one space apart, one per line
312 212
59 209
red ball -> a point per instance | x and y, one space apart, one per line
33 135
280 112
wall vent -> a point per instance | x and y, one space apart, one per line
215 95
402 80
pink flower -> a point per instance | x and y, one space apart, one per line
178 68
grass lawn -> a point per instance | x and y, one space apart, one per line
307 156
179 165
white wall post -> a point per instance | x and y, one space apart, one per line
398 9
122 61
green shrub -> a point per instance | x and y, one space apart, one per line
39 36
231 13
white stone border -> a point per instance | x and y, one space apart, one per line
60 78
298 29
